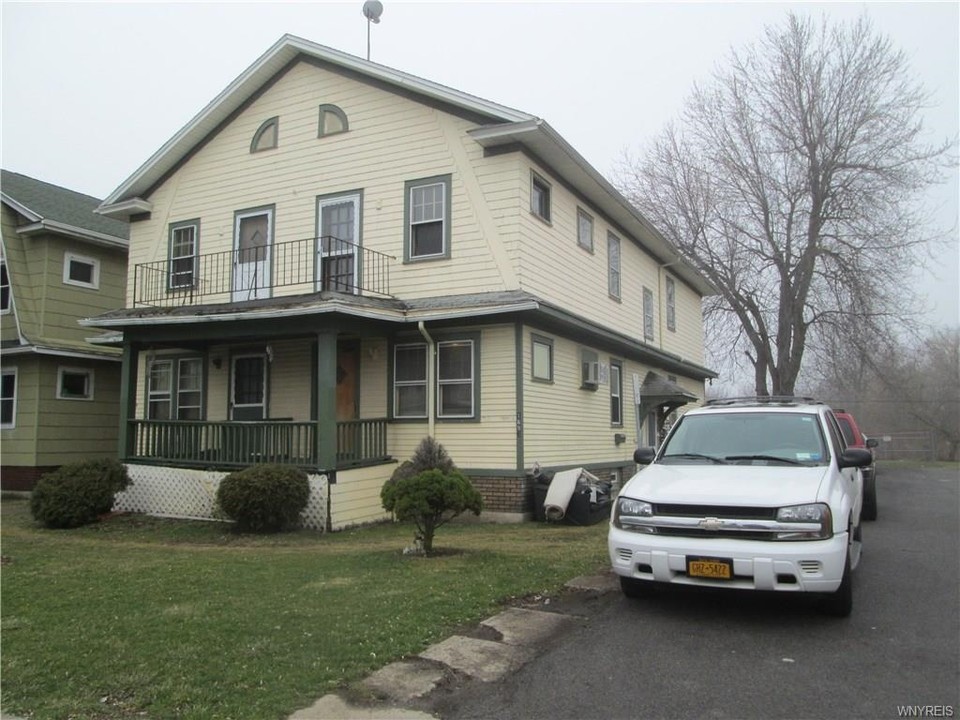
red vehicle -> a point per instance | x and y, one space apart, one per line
856 439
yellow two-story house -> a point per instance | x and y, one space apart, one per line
334 259
59 393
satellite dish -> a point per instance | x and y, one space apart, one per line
372 10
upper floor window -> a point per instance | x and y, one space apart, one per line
427 221
267 135
584 230
671 304
539 197
647 314
5 297
616 392
81 271
332 121
613 265
8 398
74 384
184 254
542 358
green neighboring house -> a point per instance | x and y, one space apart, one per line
60 392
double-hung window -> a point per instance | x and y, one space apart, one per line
671 304
616 393
175 389
613 265
410 380
184 243
647 314
455 379
540 197
5 297
584 230
542 358
427 226
8 398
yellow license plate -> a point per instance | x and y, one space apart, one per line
712 568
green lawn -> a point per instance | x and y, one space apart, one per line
143 617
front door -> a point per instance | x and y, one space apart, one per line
338 233
251 266
248 391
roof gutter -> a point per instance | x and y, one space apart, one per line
90 236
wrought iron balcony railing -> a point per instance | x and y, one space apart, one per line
252 273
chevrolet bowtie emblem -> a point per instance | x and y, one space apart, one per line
711 523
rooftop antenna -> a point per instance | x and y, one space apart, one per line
372 10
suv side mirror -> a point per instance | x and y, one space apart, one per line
644 455
872 442
854 457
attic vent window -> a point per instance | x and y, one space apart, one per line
267 135
333 120
81 271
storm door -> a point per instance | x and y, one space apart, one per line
248 387
253 236
338 231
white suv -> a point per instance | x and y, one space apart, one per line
758 493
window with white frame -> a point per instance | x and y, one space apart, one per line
539 197
647 314
455 379
81 271
184 254
584 230
410 380
613 265
616 393
6 300
175 389
74 383
8 398
427 226
542 358
671 304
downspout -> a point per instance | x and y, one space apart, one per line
431 387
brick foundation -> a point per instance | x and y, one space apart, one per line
505 494
18 477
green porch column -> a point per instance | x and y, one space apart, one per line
326 411
128 398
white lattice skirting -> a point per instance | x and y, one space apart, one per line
192 494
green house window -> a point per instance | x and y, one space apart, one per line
8 398
74 384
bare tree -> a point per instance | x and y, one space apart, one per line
791 182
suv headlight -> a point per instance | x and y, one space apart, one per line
814 514
628 512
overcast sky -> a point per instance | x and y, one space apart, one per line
91 90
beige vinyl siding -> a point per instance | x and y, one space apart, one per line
290 380
491 443
71 430
687 341
391 140
374 361
19 443
355 497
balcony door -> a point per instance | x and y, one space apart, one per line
253 237
338 240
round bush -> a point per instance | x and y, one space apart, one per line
78 493
264 498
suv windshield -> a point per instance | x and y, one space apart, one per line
762 437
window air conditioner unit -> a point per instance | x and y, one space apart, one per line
591 373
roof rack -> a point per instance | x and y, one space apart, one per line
765 400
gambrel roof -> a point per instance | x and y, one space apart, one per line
53 208
498 126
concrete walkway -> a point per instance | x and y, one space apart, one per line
519 633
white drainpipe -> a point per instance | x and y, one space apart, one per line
431 369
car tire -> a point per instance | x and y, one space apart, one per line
869 511
633 588
840 602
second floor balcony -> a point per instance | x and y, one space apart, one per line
263 270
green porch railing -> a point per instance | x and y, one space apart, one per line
217 444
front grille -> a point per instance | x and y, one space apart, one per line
717 511
699 532
810 567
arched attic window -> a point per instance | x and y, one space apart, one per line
333 120
267 135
